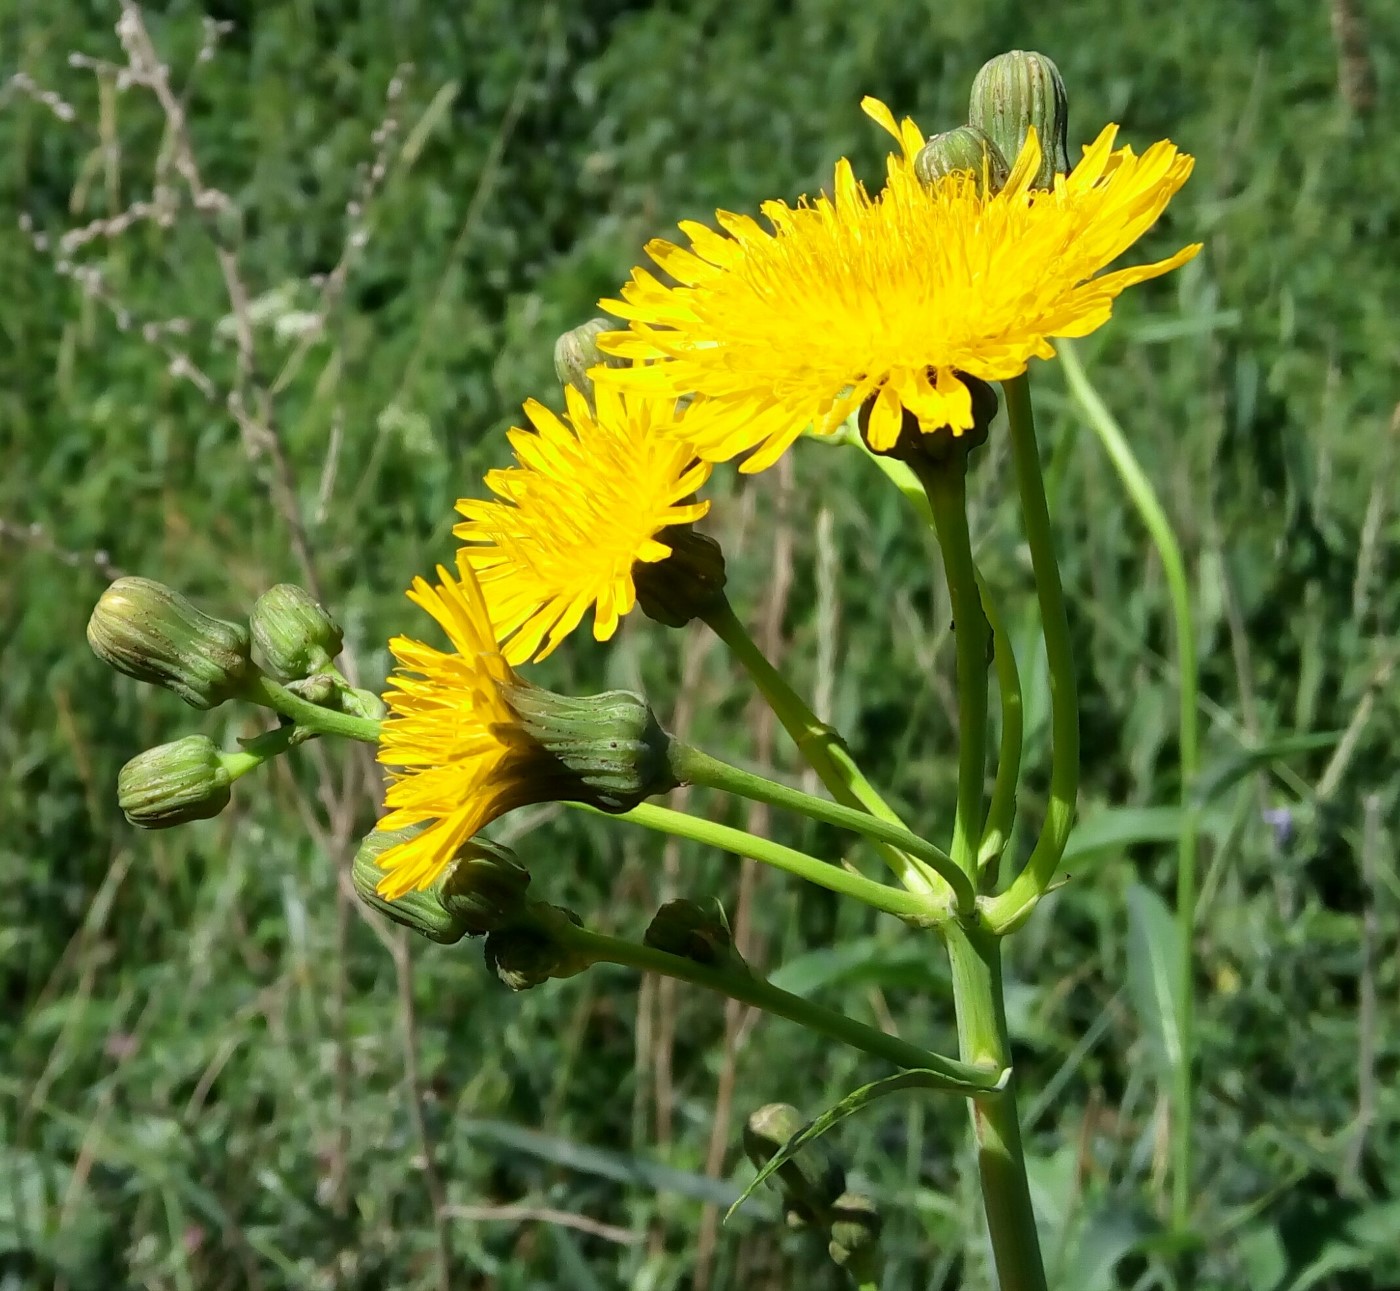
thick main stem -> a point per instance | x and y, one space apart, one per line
819 743
1144 498
975 955
691 766
739 984
946 486
1009 909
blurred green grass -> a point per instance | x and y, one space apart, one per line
219 1076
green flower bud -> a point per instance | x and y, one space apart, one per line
855 1233
963 149
1018 90
576 352
173 784
918 445
605 750
481 889
149 631
484 885
688 584
292 633
694 930
811 1180
529 954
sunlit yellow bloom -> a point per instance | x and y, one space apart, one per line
588 499
892 296
458 755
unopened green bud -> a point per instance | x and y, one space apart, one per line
173 784
1015 91
292 633
529 954
688 584
149 631
693 930
605 750
483 885
855 1233
812 1179
915 444
480 889
964 149
576 352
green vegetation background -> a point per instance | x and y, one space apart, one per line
219 1074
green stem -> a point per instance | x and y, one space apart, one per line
1135 481
819 743
739 984
1010 909
945 483
261 689
1002 812
1001 815
261 748
918 907
691 766
975 954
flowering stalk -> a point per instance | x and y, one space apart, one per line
1011 908
974 951
946 486
1001 814
819 743
1169 552
1002 811
738 983
914 906
694 767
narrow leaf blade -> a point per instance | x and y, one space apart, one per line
1154 976
918 1078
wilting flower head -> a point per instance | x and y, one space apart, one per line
852 297
468 740
584 504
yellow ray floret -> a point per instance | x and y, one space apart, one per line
851 296
457 755
586 501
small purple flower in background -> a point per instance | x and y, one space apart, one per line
1280 820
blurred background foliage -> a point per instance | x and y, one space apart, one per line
221 1074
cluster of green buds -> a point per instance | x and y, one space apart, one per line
1011 94
481 892
814 1192
153 633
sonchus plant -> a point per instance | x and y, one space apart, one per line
883 318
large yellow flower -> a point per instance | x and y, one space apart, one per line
891 296
584 504
458 755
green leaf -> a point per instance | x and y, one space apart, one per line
1154 976
918 1078
864 961
1114 828
1222 775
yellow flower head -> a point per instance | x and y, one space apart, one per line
586 501
851 297
458 755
